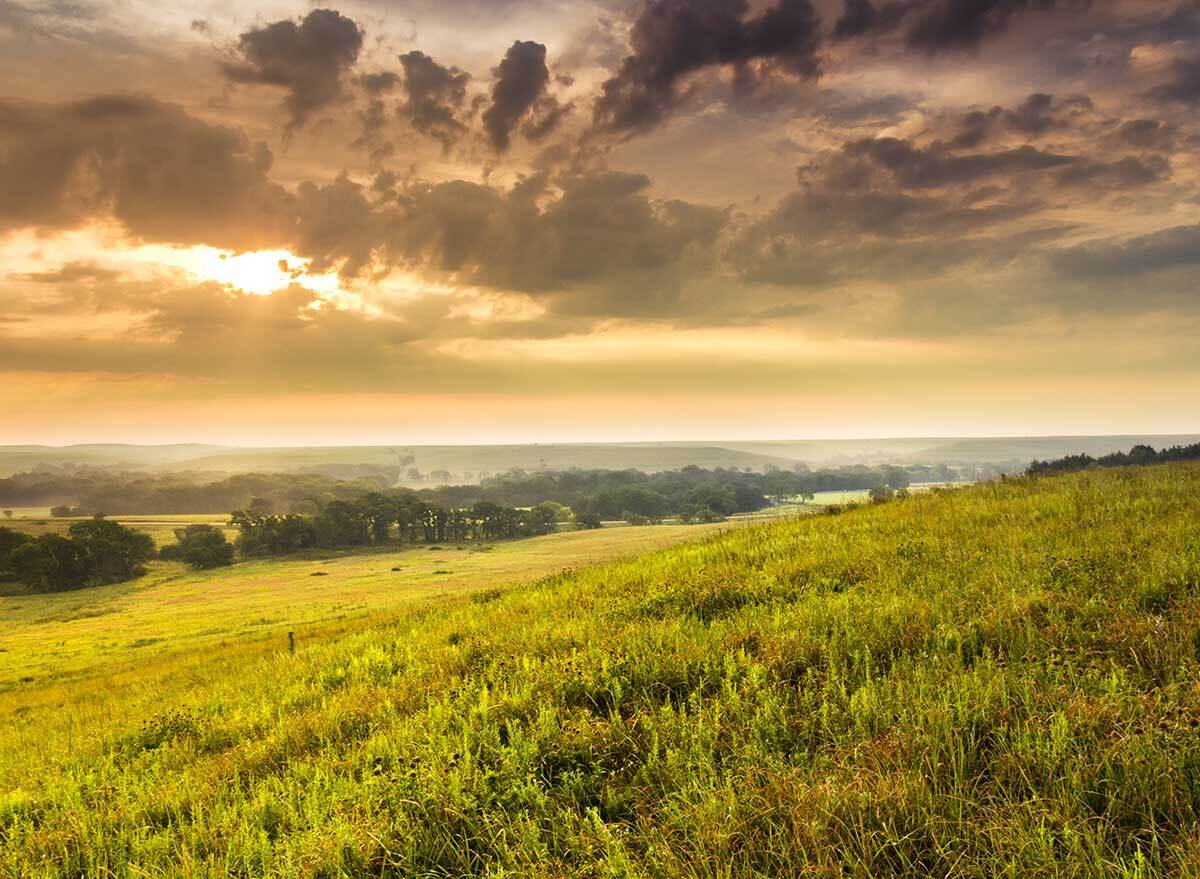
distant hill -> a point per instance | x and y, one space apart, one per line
348 461
954 450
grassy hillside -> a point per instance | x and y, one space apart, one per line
996 681
45 638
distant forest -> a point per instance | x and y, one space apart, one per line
1138 455
609 494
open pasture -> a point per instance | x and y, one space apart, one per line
998 681
173 608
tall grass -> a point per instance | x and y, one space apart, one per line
997 681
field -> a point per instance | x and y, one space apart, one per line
48 637
1001 680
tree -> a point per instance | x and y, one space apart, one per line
8 514
113 552
61 511
588 521
51 563
10 541
543 519
880 494
201 546
261 506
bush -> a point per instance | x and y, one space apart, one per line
200 546
588 521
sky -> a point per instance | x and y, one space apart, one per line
476 221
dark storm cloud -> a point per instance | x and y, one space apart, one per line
674 38
935 25
308 59
594 241
521 81
1168 249
434 96
894 210
913 167
165 175
1037 115
1147 134
1183 86
374 115
860 17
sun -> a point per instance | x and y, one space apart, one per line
261 272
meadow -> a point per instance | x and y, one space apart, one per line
44 638
1000 680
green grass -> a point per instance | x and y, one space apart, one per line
44 638
996 681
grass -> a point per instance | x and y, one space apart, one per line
996 681
44 638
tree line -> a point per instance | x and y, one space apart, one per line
687 492
86 491
99 551
1139 455
610 494
380 519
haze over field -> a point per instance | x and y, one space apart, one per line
611 220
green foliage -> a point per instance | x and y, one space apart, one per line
51 563
94 552
369 520
1140 455
10 541
113 552
200 546
588 521
997 681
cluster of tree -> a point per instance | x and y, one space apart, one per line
618 494
201 546
1139 455
296 500
88 491
91 553
380 519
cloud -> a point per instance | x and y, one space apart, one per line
1034 117
433 97
591 242
162 173
674 38
520 83
1174 248
1183 85
934 25
307 59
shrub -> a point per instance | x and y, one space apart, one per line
201 546
588 521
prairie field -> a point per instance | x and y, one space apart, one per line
1002 680
46 637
